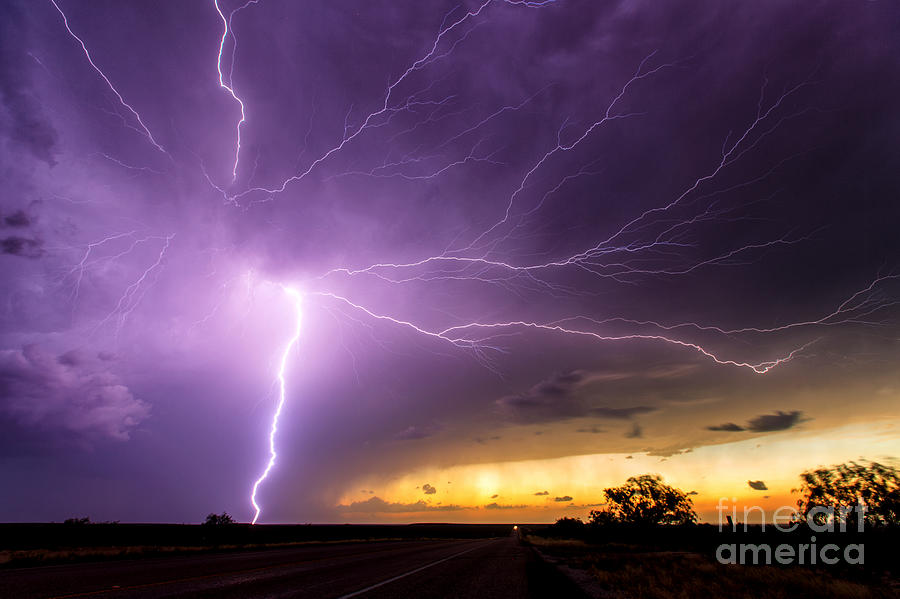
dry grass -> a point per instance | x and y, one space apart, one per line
542 542
42 557
666 575
70 554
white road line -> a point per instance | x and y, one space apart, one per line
404 575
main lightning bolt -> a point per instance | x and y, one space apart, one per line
298 307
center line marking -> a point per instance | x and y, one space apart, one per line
404 575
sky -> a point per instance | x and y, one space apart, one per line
478 261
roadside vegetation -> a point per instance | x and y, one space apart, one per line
645 542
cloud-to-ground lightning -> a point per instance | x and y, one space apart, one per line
297 300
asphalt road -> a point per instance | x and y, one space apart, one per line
489 568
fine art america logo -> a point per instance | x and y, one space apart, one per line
786 519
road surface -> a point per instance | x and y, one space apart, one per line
489 568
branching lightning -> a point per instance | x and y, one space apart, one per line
109 84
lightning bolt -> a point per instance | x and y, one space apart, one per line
229 87
112 87
282 394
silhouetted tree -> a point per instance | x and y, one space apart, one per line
222 519
567 528
645 500
77 521
845 486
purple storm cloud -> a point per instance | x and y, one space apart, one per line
487 215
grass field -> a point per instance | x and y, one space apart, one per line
42 544
677 564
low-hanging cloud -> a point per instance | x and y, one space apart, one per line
764 423
778 421
757 485
730 427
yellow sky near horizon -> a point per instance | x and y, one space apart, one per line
507 492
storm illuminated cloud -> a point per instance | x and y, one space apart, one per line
73 392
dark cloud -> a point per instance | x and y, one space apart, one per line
495 496
728 426
428 489
757 485
563 396
22 246
764 423
17 219
377 505
636 432
778 421
591 429
563 498
553 399
539 493
67 393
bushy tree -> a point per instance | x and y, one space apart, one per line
845 486
567 528
222 519
645 500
